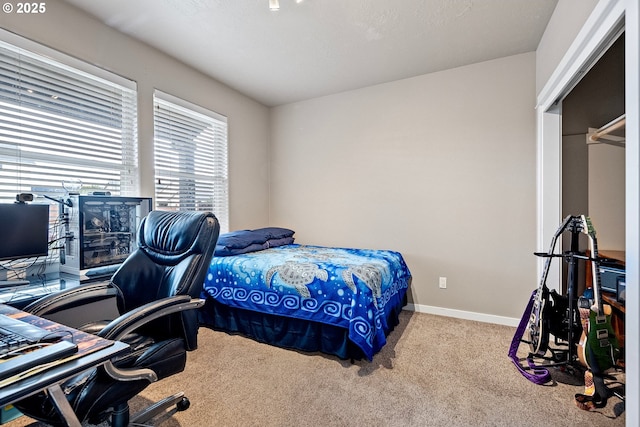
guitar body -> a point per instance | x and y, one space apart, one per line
598 344
538 330
582 347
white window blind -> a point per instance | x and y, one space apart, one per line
60 126
190 145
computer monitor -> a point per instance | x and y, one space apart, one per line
24 230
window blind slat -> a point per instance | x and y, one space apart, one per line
190 159
61 124
37 82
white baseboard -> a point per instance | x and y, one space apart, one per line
460 314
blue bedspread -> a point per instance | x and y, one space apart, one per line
351 288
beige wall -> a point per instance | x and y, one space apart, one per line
567 20
75 33
607 195
440 167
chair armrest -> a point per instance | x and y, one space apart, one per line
71 298
128 322
132 320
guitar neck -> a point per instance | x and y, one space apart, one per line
552 248
595 269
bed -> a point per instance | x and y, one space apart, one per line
339 301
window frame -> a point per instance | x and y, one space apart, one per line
219 180
126 165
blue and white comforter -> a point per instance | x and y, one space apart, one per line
351 288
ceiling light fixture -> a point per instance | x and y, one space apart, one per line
274 5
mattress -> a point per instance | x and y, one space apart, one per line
357 290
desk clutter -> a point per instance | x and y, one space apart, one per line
9 413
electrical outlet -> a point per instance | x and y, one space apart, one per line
442 282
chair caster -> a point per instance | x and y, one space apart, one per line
168 405
183 404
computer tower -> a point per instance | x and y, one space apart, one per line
100 233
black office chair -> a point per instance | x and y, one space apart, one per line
156 290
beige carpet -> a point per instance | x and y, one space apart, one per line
434 371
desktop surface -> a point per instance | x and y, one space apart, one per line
20 293
92 351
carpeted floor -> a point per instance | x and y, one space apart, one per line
434 371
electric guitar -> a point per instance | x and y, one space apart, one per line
539 321
598 346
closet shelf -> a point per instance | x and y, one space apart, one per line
604 134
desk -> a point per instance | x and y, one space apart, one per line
20 296
92 351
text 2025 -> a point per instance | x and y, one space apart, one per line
31 7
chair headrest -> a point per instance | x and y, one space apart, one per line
169 237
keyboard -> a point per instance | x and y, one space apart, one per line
23 363
16 334
24 346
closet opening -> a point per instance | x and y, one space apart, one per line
593 154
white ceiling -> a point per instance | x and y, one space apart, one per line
313 48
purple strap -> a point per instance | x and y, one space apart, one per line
533 374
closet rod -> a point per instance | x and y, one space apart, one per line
608 128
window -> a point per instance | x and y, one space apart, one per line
190 145
63 126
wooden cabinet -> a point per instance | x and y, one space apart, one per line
618 314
